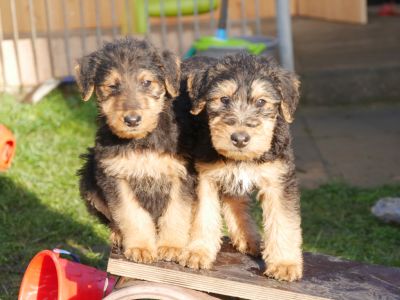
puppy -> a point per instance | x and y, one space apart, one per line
242 107
136 178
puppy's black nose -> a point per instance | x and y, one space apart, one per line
240 139
132 120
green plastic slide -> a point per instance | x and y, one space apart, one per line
170 9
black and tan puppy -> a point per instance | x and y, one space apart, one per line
243 106
135 177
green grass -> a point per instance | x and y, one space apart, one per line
40 206
336 220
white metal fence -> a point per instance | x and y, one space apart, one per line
41 39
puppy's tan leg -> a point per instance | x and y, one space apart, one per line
241 226
282 251
174 224
135 224
205 234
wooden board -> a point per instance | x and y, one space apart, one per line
241 276
352 11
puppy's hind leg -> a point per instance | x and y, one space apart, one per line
241 226
174 224
90 190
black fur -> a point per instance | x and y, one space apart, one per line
226 96
243 68
152 194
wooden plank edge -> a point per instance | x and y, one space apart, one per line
201 282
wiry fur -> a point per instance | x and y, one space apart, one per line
137 178
262 98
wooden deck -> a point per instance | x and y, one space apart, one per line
238 275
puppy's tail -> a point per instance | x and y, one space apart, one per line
90 191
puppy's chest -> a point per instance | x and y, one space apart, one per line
243 178
236 180
150 176
144 165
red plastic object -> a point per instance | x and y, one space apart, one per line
7 147
51 277
388 9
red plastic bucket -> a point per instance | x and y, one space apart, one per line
49 277
7 147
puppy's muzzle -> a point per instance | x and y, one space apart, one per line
132 120
240 139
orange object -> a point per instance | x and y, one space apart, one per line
7 148
51 277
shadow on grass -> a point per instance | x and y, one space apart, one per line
27 227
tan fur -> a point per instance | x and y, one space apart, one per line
89 93
136 226
282 238
241 177
174 225
206 229
94 200
224 88
287 114
146 102
144 75
259 143
112 78
261 135
201 102
189 83
263 90
116 239
241 226
144 163
243 128
196 110
168 85
205 234
115 117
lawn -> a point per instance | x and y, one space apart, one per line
40 206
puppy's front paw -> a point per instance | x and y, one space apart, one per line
140 255
169 253
284 271
196 259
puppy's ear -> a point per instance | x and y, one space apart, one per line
286 83
288 86
172 67
195 85
85 72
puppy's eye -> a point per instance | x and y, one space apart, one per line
146 83
225 100
114 87
260 102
